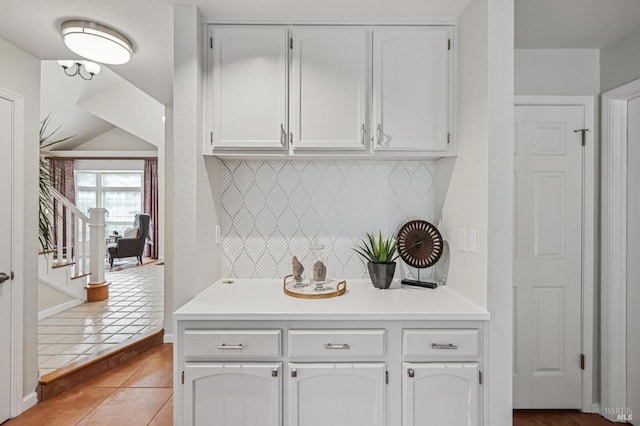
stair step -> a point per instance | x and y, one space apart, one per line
75 277
61 264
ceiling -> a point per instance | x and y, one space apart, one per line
33 25
573 24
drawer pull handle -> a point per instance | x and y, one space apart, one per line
225 346
337 346
411 373
443 346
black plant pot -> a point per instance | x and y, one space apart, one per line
381 274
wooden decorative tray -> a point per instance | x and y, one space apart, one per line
307 291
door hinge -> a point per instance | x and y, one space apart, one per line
290 42
582 360
449 44
210 42
584 135
183 377
386 377
480 377
211 138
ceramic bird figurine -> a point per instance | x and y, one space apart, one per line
297 268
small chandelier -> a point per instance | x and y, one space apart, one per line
72 68
96 42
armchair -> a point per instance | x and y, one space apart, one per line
129 247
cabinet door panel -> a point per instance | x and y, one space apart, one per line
328 88
440 394
337 394
232 394
411 88
249 93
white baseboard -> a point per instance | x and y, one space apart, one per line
168 338
29 401
595 408
58 308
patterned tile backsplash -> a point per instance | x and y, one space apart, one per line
273 210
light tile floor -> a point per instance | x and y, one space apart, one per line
135 305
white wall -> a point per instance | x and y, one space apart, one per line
500 224
633 254
557 71
465 205
274 210
20 73
116 139
195 259
48 297
620 61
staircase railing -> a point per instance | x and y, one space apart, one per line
78 239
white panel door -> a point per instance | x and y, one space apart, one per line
329 88
6 178
337 394
548 257
249 87
438 394
232 394
633 254
411 88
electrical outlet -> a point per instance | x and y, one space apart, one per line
462 239
472 240
218 234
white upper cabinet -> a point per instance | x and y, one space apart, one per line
248 94
412 86
328 95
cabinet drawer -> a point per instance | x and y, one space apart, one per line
229 344
440 343
336 343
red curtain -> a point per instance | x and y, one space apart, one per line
63 181
151 205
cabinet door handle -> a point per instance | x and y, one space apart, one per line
294 373
225 346
443 346
291 138
362 134
336 346
274 372
283 134
379 133
410 372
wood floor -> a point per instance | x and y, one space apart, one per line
557 418
139 393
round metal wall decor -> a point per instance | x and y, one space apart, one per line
419 244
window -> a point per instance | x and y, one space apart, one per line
118 192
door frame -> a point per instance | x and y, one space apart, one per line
17 248
614 247
588 231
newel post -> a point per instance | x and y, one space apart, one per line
97 289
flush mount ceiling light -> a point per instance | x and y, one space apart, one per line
96 42
72 68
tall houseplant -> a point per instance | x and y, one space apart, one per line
381 256
45 183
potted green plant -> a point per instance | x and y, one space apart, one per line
381 256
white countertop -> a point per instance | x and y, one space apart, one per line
263 299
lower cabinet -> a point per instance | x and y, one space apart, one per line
232 394
339 394
437 394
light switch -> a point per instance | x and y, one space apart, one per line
462 239
472 240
